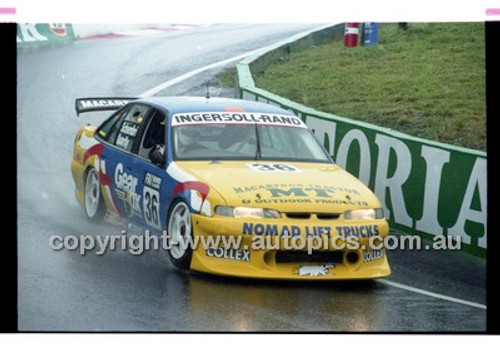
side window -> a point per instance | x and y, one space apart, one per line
129 129
154 136
109 128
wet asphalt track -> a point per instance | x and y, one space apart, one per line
63 291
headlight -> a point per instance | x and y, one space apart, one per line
369 213
246 212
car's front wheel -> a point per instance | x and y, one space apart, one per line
94 206
180 231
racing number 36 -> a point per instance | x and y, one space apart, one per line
272 167
151 207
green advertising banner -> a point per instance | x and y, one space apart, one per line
427 188
34 34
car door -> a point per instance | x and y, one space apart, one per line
153 176
121 165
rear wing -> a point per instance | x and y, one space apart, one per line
100 104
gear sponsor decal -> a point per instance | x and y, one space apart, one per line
228 253
319 270
123 180
181 119
125 188
272 167
372 255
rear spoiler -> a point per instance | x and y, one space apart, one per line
100 104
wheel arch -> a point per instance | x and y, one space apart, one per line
171 205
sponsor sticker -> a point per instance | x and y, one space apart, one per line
123 141
229 253
130 129
269 229
372 255
181 119
152 180
58 29
125 187
84 104
363 231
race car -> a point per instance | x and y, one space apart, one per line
200 167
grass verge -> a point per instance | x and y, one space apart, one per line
427 81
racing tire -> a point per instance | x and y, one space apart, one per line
179 227
93 202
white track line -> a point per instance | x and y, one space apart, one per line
192 73
431 294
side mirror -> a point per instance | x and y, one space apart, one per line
157 157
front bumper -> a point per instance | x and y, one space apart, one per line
327 262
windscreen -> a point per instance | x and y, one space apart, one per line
244 137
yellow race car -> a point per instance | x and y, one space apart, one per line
238 188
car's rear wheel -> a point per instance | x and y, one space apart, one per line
180 230
94 206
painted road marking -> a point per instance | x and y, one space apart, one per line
192 73
431 294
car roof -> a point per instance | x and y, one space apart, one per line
183 104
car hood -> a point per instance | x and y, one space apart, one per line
287 187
